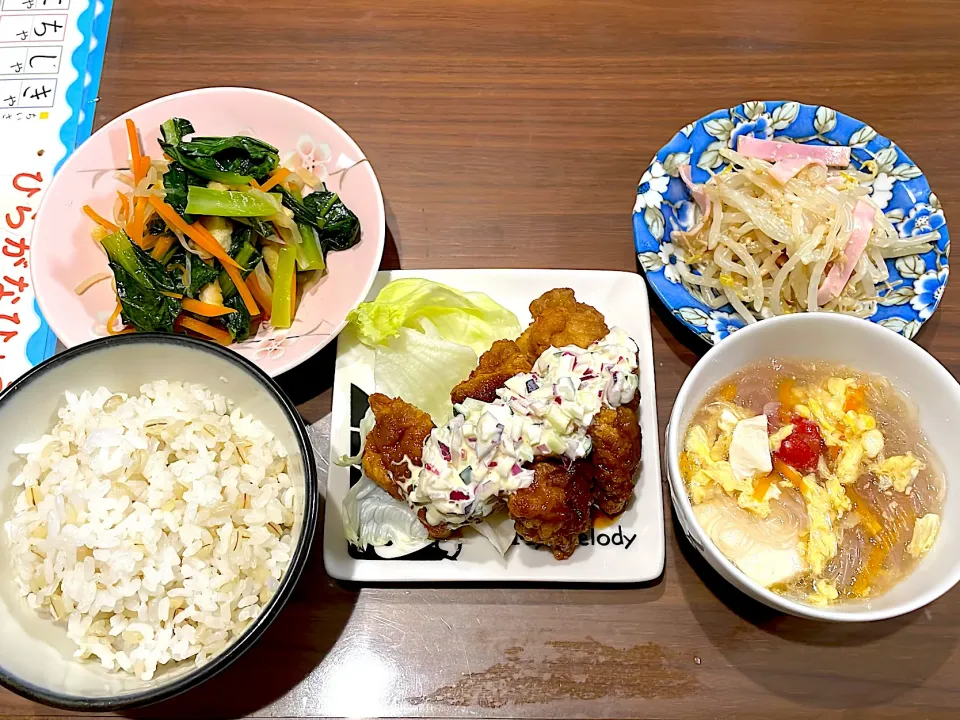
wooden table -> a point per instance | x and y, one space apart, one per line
513 134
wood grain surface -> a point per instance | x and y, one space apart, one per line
513 134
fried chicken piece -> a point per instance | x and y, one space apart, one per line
559 320
398 435
616 454
555 508
497 365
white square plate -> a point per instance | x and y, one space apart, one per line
629 550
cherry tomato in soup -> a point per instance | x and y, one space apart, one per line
801 449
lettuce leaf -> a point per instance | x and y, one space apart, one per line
372 518
427 337
471 318
422 368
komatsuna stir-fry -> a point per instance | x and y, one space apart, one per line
216 236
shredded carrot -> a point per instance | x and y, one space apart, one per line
205 309
163 244
855 399
136 158
195 232
278 177
102 222
145 163
763 484
202 328
254 184
175 296
124 204
788 473
113 318
136 225
150 242
244 291
261 297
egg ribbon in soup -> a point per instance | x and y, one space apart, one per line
814 480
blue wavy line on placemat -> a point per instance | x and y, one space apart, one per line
42 343
74 94
101 28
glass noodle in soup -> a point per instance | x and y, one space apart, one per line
814 479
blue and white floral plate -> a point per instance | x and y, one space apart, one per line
900 189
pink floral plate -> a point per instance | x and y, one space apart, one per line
64 255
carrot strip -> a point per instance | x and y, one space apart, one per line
278 177
136 225
145 163
160 249
150 242
244 291
261 297
254 184
124 204
205 309
102 222
136 158
202 328
195 232
113 318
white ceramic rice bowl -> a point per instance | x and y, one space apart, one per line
865 347
35 654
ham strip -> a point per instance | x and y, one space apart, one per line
840 271
695 190
785 170
772 151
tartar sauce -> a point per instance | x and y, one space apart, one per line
478 457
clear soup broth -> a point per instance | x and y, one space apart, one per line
814 479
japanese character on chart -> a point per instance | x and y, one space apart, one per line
38 93
17 183
17 67
40 57
10 101
15 248
14 318
23 34
21 212
8 335
55 26
20 283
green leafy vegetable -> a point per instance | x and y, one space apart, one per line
234 160
237 323
342 228
282 315
200 274
246 255
427 338
231 203
177 179
337 227
261 228
156 226
470 318
309 253
141 283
